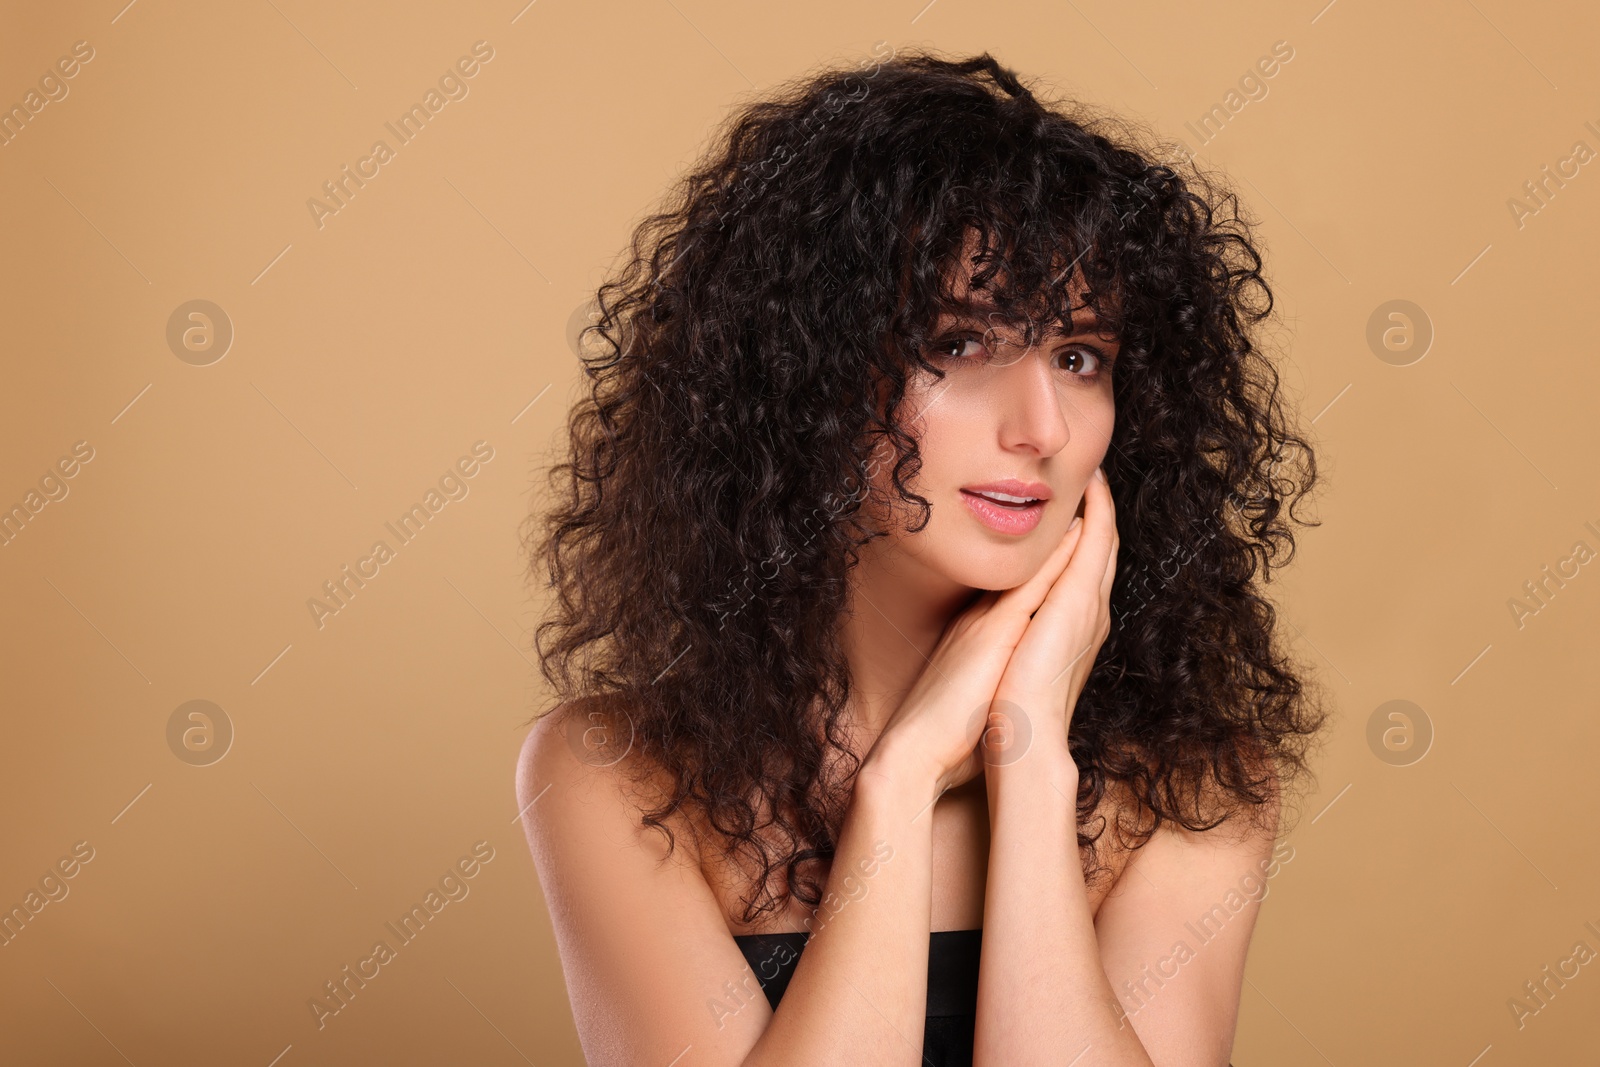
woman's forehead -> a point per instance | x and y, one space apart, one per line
1032 320
961 302
1083 319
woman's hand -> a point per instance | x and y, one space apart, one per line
1052 659
937 728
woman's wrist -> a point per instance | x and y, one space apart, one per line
893 767
1041 767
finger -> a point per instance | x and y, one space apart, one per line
1110 575
1093 554
1030 594
1099 534
1087 542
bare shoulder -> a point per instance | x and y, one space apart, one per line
1243 837
582 753
1187 902
551 751
625 910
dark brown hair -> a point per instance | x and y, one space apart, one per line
708 512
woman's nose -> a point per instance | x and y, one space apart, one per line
1033 414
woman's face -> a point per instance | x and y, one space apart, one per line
1006 419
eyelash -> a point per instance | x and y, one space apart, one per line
1103 362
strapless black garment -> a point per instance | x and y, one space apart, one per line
947 1035
952 986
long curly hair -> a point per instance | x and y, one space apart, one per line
738 362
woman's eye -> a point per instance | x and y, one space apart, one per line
1081 361
1075 358
965 347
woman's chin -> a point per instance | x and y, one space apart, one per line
992 567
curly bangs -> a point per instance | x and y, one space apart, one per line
709 509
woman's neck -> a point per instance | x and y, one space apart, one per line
898 609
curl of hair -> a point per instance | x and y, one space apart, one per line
753 350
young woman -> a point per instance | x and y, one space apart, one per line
917 699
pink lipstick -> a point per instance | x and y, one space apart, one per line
1009 506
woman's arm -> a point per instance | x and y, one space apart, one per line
652 973
1043 996
860 991
1155 978
1175 933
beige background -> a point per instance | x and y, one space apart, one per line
370 754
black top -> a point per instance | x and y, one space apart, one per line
952 986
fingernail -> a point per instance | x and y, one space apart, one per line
1074 524
1100 473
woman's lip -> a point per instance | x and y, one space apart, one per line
1012 487
1012 520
